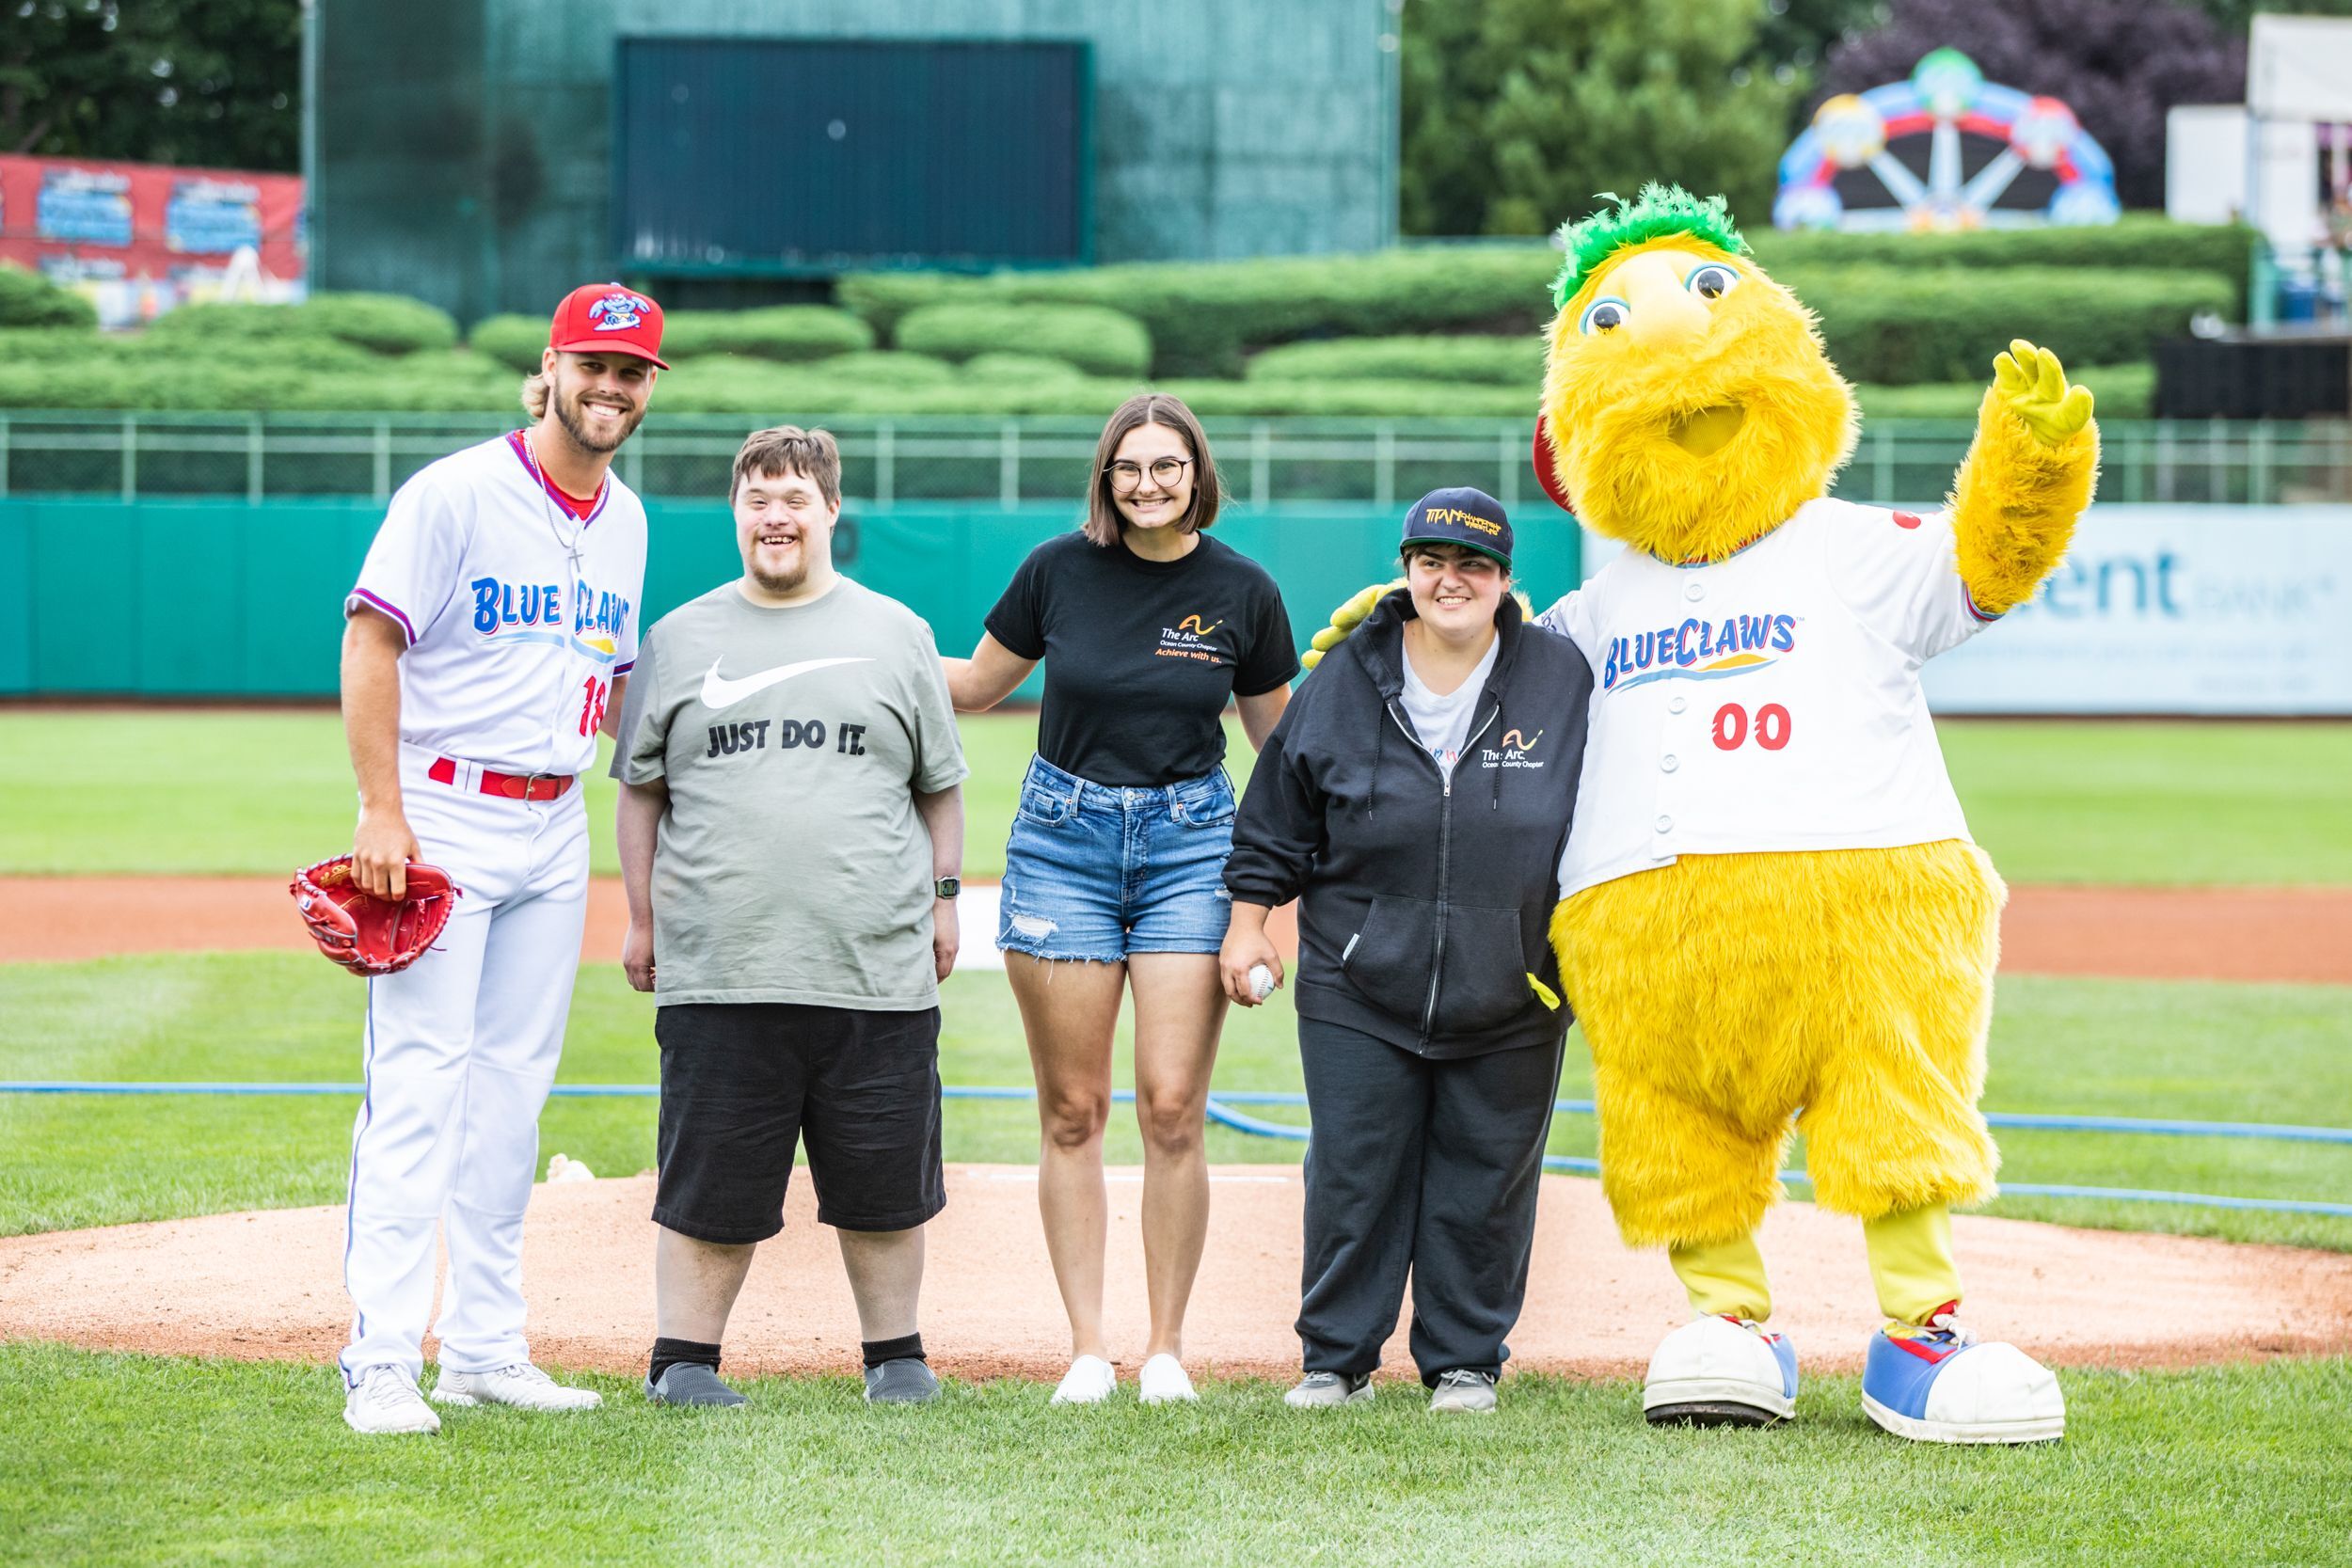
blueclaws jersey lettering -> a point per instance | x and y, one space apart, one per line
511 649
1769 700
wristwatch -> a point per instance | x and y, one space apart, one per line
947 887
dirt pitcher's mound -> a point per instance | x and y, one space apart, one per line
269 1285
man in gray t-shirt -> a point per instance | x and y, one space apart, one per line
791 825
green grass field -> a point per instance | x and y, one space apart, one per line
241 792
112 1458
151 1461
2103 1046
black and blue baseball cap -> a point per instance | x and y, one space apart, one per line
1464 516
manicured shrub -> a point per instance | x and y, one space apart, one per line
1019 370
1098 341
1901 326
2122 392
28 299
382 323
1204 316
788 334
515 341
1516 360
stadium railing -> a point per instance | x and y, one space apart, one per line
1267 461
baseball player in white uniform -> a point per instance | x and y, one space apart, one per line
1702 673
489 636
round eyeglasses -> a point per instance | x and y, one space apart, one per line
1126 477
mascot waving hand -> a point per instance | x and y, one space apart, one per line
1770 906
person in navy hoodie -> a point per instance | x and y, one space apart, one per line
1415 797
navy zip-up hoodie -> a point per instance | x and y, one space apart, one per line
1423 908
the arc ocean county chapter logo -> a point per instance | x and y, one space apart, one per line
1513 748
1189 639
1698 651
619 311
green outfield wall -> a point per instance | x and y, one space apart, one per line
188 598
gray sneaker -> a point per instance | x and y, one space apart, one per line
1323 1390
1461 1388
691 1383
905 1381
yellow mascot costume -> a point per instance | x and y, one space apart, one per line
1771 908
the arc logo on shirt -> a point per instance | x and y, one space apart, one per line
1189 639
1698 649
1514 749
533 612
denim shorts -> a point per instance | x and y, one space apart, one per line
1097 872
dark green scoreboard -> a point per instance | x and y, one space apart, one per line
746 157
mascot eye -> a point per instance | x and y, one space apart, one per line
1713 281
1605 315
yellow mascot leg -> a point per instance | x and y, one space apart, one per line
1891 1124
1910 1262
1725 1279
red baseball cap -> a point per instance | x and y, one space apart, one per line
610 318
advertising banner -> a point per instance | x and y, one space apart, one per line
2165 610
142 237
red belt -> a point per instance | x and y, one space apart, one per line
512 786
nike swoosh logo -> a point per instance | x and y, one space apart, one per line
718 693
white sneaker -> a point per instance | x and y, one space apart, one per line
1164 1381
1089 1381
522 1386
1721 1371
385 1400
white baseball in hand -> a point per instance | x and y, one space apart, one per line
1260 981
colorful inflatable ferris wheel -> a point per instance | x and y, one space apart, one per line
1946 150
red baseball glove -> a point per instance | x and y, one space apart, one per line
368 935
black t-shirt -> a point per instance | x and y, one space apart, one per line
1140 655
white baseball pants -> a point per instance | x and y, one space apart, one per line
460 1050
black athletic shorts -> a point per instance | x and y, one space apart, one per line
741 1081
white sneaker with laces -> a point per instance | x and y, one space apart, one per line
522 1386
1164 1381
1089 1381
385 1400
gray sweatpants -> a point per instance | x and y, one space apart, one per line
1420 1165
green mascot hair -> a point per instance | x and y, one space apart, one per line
1659 212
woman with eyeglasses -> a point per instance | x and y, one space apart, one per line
1114 876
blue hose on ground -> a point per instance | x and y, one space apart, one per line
1220 1111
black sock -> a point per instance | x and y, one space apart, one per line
906 1347
669 1353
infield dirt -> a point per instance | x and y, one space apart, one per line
267 1285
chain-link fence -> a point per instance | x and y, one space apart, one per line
1381 464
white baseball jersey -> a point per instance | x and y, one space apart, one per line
512 646
1769 700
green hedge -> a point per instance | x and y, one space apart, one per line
133 351
514 342
384 324
2122 392
28 299
1901 326
1516 360
788 334
2137 241
784 334
430 382
1019 370
1204 317
1097 340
